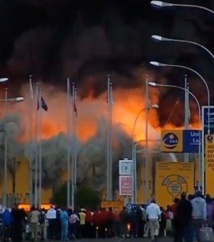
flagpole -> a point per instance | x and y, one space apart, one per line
40 147
75 139
109 141
5 197
36 150
68 146
31 139
73 149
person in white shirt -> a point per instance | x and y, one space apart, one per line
51 217
153 214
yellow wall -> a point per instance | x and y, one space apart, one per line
9 185
22 179
172 179
22 185
46 195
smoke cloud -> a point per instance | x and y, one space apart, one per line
61 39
12 127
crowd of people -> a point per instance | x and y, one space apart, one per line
181 220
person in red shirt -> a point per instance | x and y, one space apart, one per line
174 207
116 223
175 222
97 218
104 222
89 223
109 222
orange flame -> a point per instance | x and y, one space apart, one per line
128 111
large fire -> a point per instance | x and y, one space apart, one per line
128 112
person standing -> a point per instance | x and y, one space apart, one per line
64 225
184 219
153 213
17 223
199 212
7 222
34 222
51 217
82 226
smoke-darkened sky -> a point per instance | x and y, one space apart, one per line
56 39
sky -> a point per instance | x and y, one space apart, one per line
56 39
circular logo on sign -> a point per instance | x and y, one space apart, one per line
170 140
210 138
175 185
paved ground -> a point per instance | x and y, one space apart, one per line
165 239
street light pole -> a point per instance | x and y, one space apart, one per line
68 146
134 173
164 4
155 63
164 39
134 146
200 170
6 100
5 149
109 139
147 144
30 103
187 114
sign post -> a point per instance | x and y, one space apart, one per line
126 174
125 185
207 122
209 154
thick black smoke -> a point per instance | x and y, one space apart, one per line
53 40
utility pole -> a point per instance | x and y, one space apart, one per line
187 113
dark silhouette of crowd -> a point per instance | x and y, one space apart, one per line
181 220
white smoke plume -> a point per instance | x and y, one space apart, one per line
12 126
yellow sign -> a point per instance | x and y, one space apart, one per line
172 141
171 180
209 158
112 204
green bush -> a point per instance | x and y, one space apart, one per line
85 197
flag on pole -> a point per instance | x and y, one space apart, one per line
75 107
31 87
42 104
109 98
111 94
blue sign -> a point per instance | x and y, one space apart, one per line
191 141
208 114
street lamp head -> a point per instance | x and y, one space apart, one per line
161 4
154 63
155 106
157 3
157 37
19 99
152 84
4 79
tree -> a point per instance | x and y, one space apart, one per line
87 197
60 196
84 197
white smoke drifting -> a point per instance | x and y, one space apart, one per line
12 127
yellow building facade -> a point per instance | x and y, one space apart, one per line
18 184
